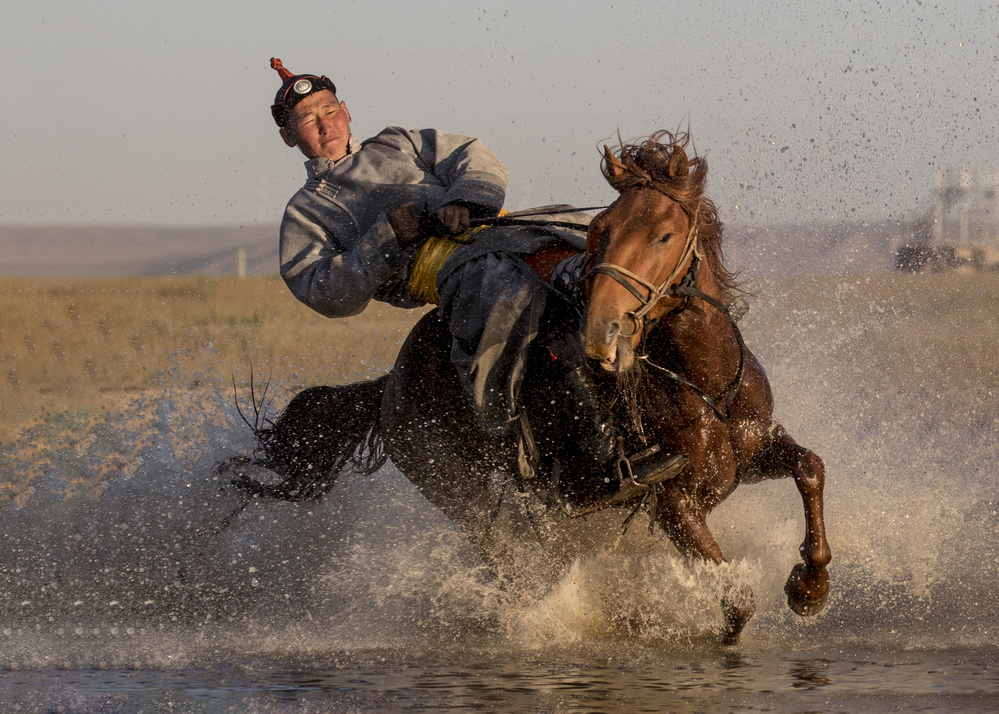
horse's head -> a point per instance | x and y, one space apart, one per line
643 244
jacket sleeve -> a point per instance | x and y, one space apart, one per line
472 173
323 273
469 172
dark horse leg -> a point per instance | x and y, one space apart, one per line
808 585
431 435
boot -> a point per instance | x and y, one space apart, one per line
610 476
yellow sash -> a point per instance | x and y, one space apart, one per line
430 258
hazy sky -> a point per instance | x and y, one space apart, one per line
157 113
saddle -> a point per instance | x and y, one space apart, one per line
548 250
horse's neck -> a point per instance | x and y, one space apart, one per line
698 338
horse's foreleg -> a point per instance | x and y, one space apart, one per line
687 526
808 585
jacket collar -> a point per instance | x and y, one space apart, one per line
317 167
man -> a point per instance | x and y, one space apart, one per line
357 231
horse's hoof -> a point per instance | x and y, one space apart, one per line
806 607
738 606
800 597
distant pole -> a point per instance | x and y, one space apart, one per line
241 263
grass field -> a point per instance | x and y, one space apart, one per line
72 346
76 351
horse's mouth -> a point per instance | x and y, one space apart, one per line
605 346
620 358
612 363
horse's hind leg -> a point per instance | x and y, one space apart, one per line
808 585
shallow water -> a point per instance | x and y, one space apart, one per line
118 594
384 682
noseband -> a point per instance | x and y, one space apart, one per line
625 277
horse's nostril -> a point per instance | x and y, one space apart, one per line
613 330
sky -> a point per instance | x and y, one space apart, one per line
139 113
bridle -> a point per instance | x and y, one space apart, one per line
666 288
684 275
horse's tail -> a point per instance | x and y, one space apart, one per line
320 431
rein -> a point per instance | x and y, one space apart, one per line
724 414
514 219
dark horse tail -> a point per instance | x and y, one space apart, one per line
320 431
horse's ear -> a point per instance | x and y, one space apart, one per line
678 162
615 169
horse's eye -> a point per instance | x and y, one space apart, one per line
665 238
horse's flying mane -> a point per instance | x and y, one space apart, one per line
661 162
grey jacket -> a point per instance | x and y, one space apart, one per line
338 250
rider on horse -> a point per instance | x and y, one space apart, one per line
363 228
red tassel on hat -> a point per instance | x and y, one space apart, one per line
276 64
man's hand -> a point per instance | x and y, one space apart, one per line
405 222
454 217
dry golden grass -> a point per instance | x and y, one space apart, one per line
69 346
84 362
77 348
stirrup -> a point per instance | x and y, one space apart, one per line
650 467
636 477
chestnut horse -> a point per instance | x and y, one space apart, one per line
657 317
659 292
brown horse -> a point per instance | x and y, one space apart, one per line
657 317
657 260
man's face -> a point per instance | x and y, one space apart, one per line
319 126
